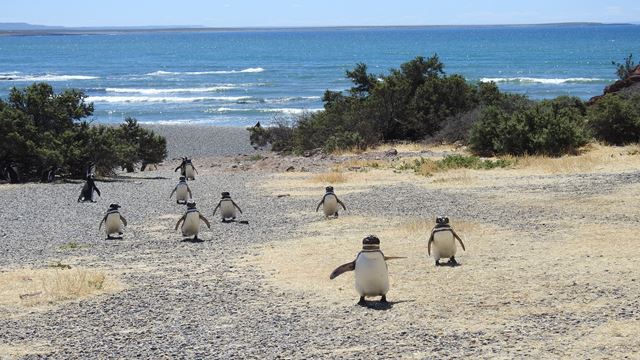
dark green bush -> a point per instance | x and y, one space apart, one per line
41 130
551 127
616 120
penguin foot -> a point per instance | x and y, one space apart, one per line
438 263
336 214
452 262
383 299
362 302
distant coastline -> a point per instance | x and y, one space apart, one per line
22 29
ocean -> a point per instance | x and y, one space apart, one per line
236 78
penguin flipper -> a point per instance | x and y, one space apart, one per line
102 221
217 207
341 203
97 190
205 221
394 257
124 221
181 220
174 190
429 243
319 204
459 240
189 191
236 205
342 269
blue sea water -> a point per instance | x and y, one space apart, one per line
239 77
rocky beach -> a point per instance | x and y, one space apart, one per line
550 268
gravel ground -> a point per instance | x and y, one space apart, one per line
190 300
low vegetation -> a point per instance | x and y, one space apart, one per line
426 167
419 101
44 132
32 287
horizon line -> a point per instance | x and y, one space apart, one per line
55 29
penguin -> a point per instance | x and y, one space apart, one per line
91 169
443 239
182 190
86 194
227 207
191 221
11 173
370 265
187 169
330 203
113 221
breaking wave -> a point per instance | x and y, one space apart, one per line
531 80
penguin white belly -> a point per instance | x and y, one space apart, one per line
227 210
181 193
191 225
189 173
330 205
372 276
113 224
444 245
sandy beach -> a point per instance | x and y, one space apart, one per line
550 271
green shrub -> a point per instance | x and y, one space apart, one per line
623 70
41 130
551 127
427 166
616 120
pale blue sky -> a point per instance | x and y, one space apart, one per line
257 13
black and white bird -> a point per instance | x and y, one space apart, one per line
330 203
443 240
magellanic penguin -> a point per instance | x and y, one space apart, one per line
187 169
227 207
372 276
86 194
182 191
191 221
443 238
330 203
114 222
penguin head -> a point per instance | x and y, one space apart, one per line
191 204
371 242
442 220
114 206
329 189
226 195
182 178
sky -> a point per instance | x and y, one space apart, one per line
279 13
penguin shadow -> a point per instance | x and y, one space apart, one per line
124 178
383 306
243 222
192 240
114 238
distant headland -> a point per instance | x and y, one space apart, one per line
25 29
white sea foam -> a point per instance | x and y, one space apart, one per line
292 98
146 99
530 80
166 73
290 111
172 91
164 99
16 76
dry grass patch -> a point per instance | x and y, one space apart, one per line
17 351
304 184
332 177
32 288
593 158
